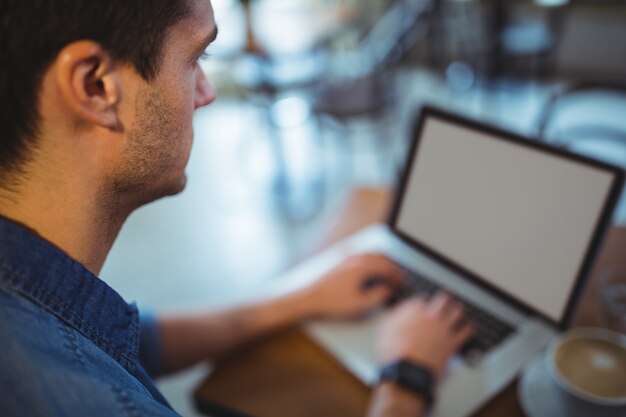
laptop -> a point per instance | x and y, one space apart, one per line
507 225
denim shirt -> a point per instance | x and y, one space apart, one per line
69 344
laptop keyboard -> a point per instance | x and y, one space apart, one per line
488 330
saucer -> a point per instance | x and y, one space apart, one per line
540 397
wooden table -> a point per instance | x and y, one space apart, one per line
288 375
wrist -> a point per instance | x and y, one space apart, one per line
414 377
300 304
391 400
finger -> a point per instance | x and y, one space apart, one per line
396 281
373 281
439 302
451 306
463 334
455 312
390 269
400 278
385 270
378 296
415 304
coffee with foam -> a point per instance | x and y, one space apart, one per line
594 366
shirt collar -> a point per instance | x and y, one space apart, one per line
43 273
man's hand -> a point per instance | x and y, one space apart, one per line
359 284
424 332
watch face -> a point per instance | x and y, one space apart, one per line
413 375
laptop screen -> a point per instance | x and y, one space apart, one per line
520 218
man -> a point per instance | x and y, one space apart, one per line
95 121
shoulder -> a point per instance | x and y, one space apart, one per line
49 369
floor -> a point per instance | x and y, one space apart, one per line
238 223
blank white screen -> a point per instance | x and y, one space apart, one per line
518 217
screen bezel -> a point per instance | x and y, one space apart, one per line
496 133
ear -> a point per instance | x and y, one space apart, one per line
88 83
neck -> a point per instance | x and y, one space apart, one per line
83 226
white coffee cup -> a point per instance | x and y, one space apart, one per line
589 367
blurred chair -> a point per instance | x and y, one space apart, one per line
359 84
290 68
497 39
355 82
526 36
587 117
583 113
275 72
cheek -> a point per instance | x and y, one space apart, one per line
180 105
181 109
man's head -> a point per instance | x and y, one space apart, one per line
120 77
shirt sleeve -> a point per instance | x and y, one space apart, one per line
150 348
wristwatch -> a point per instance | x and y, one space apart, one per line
411 376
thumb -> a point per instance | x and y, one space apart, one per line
378 295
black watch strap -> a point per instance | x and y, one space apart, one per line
411 376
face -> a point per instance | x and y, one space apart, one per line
160 130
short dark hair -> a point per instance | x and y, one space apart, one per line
33 32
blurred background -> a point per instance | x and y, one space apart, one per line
317 97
